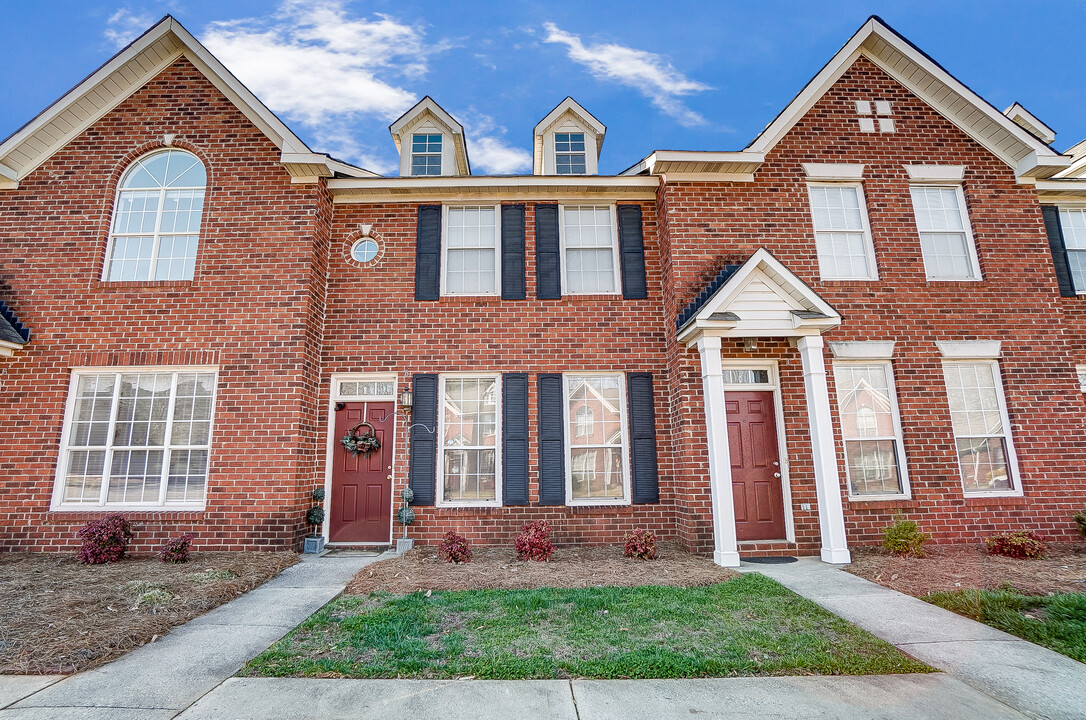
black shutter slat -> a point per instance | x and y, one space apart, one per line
548 265
428 253
552 440
422 474
513 252
646 481
515 439
631 245
1059 250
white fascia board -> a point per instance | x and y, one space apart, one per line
569 105
427 103
8 349
1056 190
1041 166
696 158
491 181
482 187
1046 133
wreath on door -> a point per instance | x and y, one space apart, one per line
360 443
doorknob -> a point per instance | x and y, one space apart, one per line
389 476
776 475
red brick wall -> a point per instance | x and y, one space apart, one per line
253 309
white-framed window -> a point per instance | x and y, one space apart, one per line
589 236
472 262
569 153
469 451
1080 370
978 410
156 218
946 238
426 154
1073 223
842 232
597 471
137 437
871 429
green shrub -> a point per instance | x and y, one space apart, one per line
904 537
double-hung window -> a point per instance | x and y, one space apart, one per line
589 249
137 437
569 153
426 154
596 462
156 221
871 428
472 261
470 425
1073 223
981 427
946 239
842 232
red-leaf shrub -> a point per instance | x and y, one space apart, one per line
534 542
104 540
641 544
176 550
1021 544
454 548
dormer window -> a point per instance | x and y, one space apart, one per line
425 154
569 154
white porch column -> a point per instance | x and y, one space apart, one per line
831 516
726 547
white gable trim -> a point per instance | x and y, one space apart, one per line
425 110
582 118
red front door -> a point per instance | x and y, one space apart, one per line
756 479
360 509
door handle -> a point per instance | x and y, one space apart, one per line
389 477
777 475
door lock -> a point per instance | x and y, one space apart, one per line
389 476
776 475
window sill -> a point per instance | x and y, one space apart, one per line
994 499
130 284
597 503
954 281
882 502
592 296
128 509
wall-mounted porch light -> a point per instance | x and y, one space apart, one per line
750 344
407 401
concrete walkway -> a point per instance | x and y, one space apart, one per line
162 679
1037 681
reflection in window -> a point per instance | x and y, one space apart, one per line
976 408
869 427
469 439
596 465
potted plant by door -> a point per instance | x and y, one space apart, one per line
314 517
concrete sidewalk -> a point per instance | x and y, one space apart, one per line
1037 681
162 679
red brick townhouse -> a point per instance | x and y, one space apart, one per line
872 309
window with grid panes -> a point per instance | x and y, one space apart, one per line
597 457
978 413
1073 223
842 235
470 427
870 428
946 240
569 153
589 249
471 250
426 154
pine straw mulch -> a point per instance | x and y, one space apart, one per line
569 567
955 567
59 616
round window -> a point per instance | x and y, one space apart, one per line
364 250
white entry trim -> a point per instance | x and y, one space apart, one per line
725 544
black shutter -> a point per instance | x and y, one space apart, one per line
1059 250
552 440
646 483
428 253
548 266
515 439
422 475
513 252
631 247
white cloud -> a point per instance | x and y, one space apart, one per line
124 26
487 147
648 73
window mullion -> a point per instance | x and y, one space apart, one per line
153 270
167 438
107 465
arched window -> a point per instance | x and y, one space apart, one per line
584 421
156 222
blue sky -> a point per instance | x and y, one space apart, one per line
674 75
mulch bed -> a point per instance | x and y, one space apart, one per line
954 567
572 567
59 616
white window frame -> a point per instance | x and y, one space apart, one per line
615 258
865 231
898 437
1061 209
1080 373
627 495
572 153
445 209
497 501
1013 473
967 224
156 233
440 155
58 503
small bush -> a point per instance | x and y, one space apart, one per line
534 542
1080 520
1020 544
904 537
104 540
454 548
176 550
641 544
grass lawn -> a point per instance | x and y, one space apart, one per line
1056 621
747 626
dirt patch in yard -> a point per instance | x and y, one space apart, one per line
949 567
60 616
574 567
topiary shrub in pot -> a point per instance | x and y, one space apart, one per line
314 517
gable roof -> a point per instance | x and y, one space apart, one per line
13 334
429 107
128 71
569 106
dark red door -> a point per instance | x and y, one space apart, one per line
756 481
360 509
